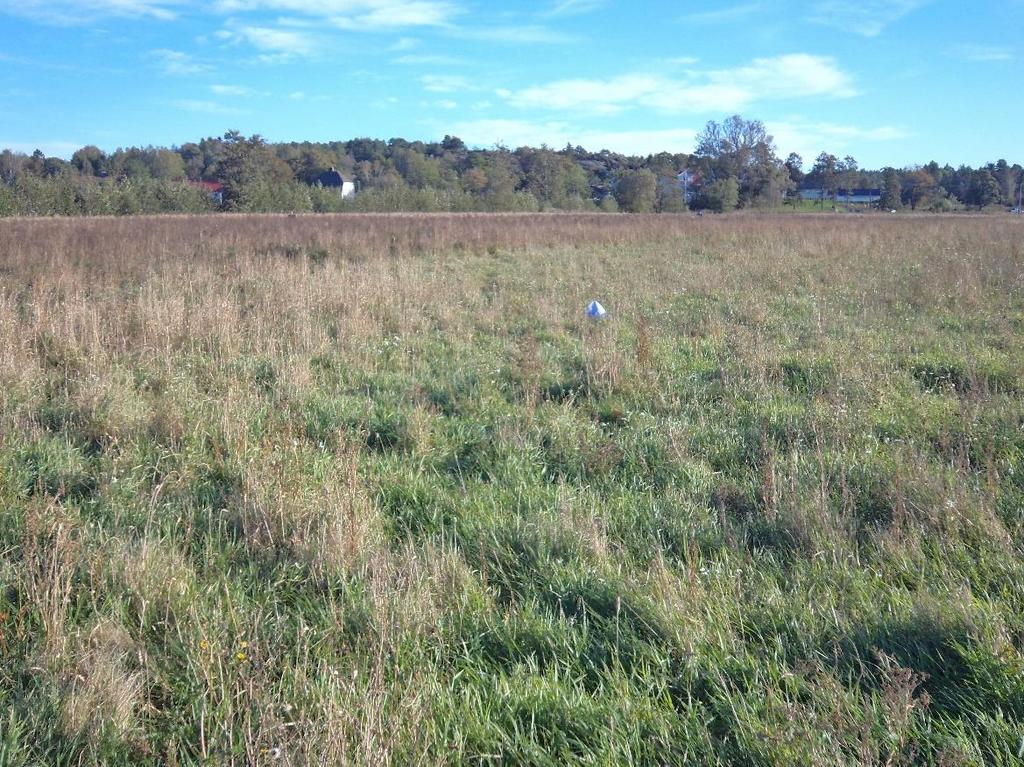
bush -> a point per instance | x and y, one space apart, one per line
720 196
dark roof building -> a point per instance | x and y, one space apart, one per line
331 178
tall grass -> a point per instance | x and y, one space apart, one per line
372 490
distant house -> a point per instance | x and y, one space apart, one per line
689 183
843 196
213 188
332 179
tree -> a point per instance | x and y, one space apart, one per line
984 189
503 176
636 191
957 183
310 162
474 181
577 184
366 149
89 161
825 175
848 174
166 165
892 190
666 168
55 166
721 196
247 167
453 144
670 195
795 168
743 150
36 164
418 170
921 190
11 166
545 174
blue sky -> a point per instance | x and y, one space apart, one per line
890 81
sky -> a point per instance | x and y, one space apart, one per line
891 82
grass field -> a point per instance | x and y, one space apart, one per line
372 490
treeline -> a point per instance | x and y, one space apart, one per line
931 187
734 165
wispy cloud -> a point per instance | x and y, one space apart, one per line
357 15
397 15
865 17
728 15
574 7
404 44
983 53
808 138
231 90
514 34
178 62
428 59
76 12
277 44
445 83
206 107
790 76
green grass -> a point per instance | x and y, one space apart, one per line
419 510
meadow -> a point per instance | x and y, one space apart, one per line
371 489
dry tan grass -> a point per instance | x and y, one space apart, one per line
332 526
181 358
105 688
225 284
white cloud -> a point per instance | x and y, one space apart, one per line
865 17
278 44
178 62
596 96
360 15
515 133
74 12
808 138
445 83
721 90
205 107
983 53
425 13
795 74
231 90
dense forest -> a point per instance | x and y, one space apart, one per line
734 165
